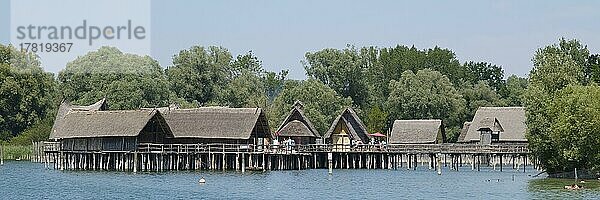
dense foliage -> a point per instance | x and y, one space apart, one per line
425 95
129 81
27 92
562 113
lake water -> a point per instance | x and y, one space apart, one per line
25 180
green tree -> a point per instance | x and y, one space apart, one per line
555 67
40 131
129 81
27 93
515 87
199 73
480 95
388 64
445 62
574 136
425 95
376 120
341 70
321 103
482 71
593 68
246 63
245 90
274 83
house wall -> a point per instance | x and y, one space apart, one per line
336 138
99 144
208 141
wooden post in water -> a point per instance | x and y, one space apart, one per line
439 164
524 162
501 161
330 161
135 161
2 155
263 162
243 163
473 162
237 161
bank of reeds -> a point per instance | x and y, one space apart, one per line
16 152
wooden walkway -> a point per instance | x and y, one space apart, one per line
159 157
323 148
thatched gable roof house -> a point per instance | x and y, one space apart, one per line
217 123
97 130
122 123
296 124
417 132
347 127
66 107
509 121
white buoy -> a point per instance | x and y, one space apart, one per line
202 180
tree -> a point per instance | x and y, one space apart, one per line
321 103
445 62
199 73
129 81
246 63
480 95
515 87
555 67
245 90
376 120
341 70
593 68
575 129
425 95
274 83
482 71
27 93
386 64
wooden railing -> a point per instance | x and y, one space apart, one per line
325 148
51 146
448 148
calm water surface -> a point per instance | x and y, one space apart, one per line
25 180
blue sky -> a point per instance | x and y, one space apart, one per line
505 33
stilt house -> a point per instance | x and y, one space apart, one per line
297 127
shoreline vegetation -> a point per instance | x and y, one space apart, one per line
16 152
382 84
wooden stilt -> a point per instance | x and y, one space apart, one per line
243 163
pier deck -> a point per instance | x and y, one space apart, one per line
159 157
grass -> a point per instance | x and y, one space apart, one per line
560 183
12 152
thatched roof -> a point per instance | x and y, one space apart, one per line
217 122
417 131
512 120
122 123
296 124
66 107
463 131
352 121
491 124
295 128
